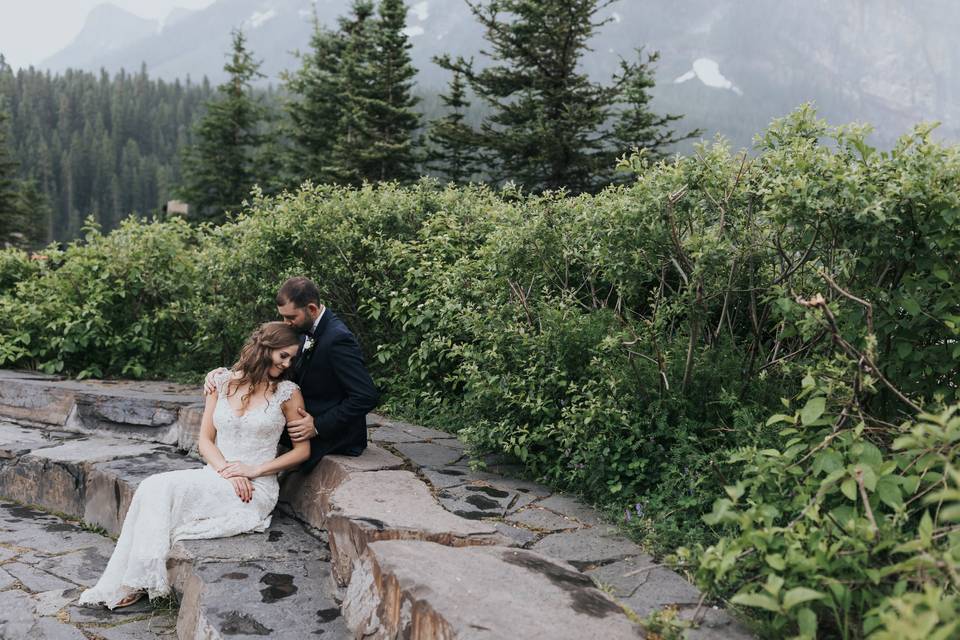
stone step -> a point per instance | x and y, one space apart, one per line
412 484
418 589
160 412
279 582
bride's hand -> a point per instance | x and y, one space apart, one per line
243 487
238 470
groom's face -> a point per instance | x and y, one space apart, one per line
300 318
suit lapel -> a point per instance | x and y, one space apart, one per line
303 360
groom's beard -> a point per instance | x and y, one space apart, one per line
306 325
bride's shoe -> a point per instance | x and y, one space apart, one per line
131 599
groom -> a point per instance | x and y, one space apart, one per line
337 389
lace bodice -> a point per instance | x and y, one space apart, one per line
252 437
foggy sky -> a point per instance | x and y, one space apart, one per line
32 30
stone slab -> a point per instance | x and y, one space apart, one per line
188 427
394 505
308 495
82 567
428 454
391 435
49 603
424 590
35 580
96 617
419 433
283 539
33 534
36 402
109 486
522 537
55 477
16 440
288 599
477 500
713 623
156 627
542 520
445 477
6 580
23 374
572 508
94 449
585 548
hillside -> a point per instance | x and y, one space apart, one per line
889 62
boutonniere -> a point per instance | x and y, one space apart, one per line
308 345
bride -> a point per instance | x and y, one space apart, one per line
236 490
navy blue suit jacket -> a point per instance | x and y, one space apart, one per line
337 390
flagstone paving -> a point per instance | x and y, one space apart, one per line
406 539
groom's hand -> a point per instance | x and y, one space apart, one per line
302 428
209 386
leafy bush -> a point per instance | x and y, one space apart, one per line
623 345
15 266
109 305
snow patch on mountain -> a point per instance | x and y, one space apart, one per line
708 72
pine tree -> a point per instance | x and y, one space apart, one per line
314 108
392 119
452 151
220 168
350 158
35 213
552 127
375 139
638 127
9 185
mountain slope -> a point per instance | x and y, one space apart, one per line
890 62
108 28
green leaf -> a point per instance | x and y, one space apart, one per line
910 484
925 530
798 595
780 417
758 600
910 306
849 489
888 488
776 561
812 411
827 461
807 623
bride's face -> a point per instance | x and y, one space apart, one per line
282 359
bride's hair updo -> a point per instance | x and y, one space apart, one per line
256 358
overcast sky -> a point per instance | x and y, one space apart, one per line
32 30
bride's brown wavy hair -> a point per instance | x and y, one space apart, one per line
255 358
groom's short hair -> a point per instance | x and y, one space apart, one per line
300 291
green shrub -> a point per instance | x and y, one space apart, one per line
622 345
109 305
15 266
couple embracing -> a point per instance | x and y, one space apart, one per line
302 382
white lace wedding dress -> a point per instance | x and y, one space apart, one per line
195 503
